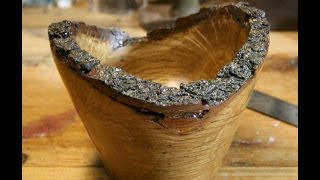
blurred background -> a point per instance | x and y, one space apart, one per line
283 14
136 16
57 146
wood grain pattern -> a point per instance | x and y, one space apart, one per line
133 146
184 55
263 148
92 173
159 144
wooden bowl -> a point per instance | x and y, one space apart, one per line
164 106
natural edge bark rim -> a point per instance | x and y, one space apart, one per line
185 102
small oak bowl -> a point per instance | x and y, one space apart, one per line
164 106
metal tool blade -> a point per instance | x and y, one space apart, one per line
274 107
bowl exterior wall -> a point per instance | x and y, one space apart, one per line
135 145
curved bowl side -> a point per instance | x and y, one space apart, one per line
135 145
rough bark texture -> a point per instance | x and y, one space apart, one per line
142 127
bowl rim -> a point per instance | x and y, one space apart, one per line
146 95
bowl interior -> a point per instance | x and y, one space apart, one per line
194 53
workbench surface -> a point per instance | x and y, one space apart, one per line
58 146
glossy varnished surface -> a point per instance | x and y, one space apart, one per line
96 54
146 130
263 147
197 53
